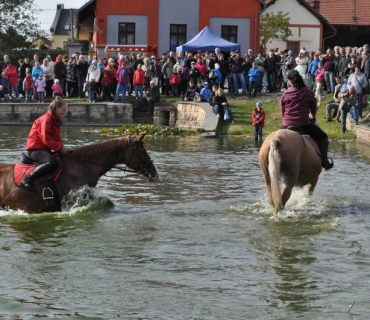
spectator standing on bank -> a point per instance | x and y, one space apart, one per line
253 80
57 89
320 79
12 75
359 81
40 85
28 87
258 121
139 82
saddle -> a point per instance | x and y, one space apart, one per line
23 168
307 137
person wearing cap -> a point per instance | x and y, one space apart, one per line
205 92
258 121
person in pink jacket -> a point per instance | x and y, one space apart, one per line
320 79
139 81
12 75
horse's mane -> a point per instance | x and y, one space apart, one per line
102 147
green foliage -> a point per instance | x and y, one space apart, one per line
150 129
274 27
18 27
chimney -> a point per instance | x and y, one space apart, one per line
60 6
316 5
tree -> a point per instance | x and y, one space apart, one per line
18 27
274 27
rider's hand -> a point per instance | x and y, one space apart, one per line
64 150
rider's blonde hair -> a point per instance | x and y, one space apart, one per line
57 103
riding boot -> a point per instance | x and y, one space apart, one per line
327 163
38 172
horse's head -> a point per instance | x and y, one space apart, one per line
139 160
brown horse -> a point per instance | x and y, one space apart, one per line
81 166
289 158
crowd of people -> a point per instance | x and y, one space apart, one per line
187 75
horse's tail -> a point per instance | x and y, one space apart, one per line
274 171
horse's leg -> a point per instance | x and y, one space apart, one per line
289 181
311 186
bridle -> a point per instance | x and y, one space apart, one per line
143 167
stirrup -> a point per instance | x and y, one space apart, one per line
328 163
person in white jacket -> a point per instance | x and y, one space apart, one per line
93 72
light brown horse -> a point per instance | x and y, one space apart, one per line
81 166
289 159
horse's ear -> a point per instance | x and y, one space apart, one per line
142 136
138 137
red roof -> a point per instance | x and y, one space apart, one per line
345 12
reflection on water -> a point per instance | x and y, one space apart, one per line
202 243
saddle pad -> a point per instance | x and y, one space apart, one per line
22 170
313 143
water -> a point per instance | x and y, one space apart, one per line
203 243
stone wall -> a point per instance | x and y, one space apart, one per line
190 115
78 113
362 132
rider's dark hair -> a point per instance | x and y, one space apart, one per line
56 104
297 80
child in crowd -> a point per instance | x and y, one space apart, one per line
57 89
258 121
40 85
139 81
92 90
2 94
174 82
5 83
253 79
320 79
205 93
105 87
28 87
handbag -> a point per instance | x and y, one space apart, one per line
226 114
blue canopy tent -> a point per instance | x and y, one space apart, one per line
207 40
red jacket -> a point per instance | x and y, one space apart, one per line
45 134
139 77
175 78
260 120
12 75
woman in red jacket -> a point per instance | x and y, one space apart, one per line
12 75
44 139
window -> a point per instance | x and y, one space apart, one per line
67 27
177 35
126 33
229 33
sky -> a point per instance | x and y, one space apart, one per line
49 7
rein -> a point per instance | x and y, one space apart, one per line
101 164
